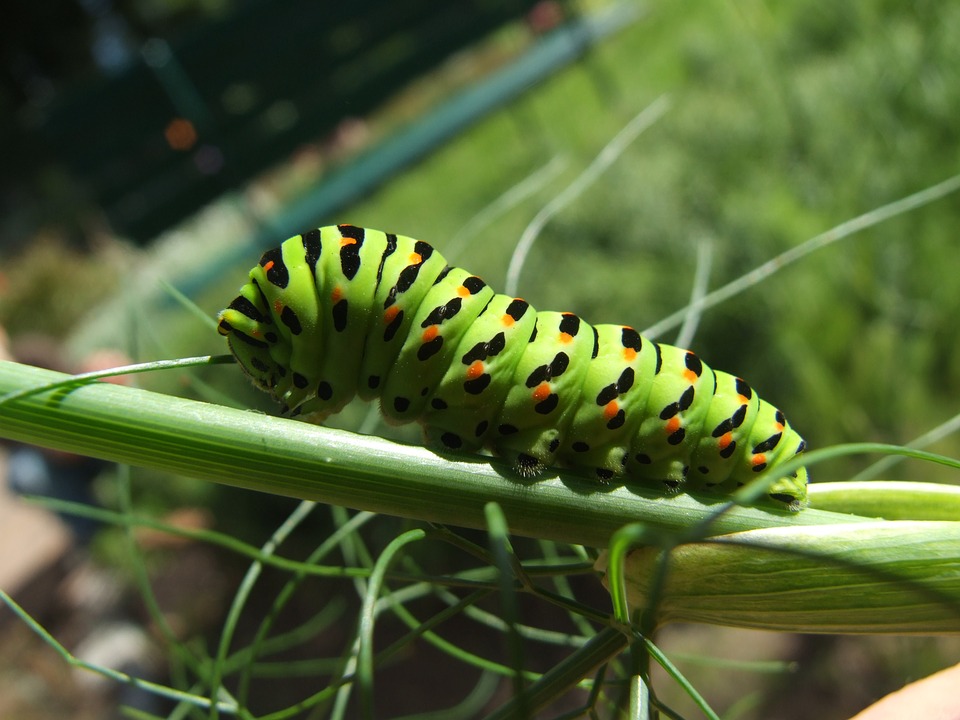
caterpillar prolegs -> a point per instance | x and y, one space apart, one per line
344 311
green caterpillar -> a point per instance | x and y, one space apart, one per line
344 311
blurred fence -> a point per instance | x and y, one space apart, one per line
202 112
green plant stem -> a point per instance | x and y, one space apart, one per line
286 457
601 648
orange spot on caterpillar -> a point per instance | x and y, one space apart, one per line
542 392
629 354
475 370
269 266
673 424
611 409
389 314
344 241
507 320
429 334
758 459
336 295
415 258
565 338
743 399
463 292
778 426
690 376
724 442
277 307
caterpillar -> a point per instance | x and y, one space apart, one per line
343 311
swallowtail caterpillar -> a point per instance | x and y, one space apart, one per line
343 311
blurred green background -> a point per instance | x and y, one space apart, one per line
786 120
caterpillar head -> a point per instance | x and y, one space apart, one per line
271 326
254 343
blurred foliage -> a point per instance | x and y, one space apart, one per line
787 119
49 286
